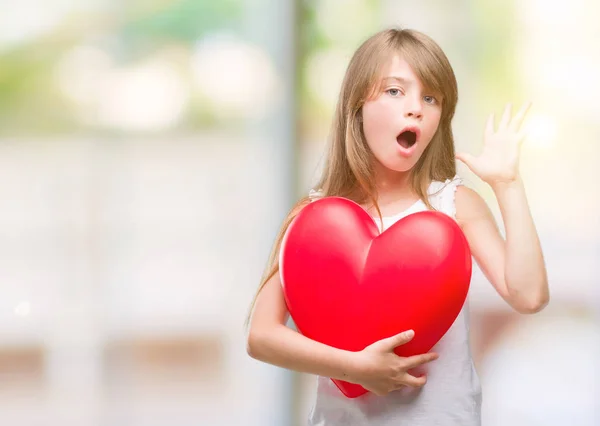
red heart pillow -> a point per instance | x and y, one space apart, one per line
348 285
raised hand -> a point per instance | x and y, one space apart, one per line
499 159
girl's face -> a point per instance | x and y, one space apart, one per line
400 120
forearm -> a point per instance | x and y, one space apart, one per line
286 348
524 271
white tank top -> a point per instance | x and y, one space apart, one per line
452 394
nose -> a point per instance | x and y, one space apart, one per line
414 108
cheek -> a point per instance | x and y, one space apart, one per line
376 122
432 124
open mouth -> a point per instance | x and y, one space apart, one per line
407 139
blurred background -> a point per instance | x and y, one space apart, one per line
149 151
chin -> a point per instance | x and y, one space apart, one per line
400 166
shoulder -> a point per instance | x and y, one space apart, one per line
303 202
297 208
470 206
466 195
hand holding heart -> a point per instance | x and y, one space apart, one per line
381 371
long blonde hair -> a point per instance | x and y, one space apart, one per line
348 168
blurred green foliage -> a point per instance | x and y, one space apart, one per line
495 53
314 39
30 101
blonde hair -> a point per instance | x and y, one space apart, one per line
348 168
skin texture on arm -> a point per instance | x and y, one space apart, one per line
515 266
270 340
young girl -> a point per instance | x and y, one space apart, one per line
392 151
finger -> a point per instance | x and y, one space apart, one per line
415 382
466 158
401 338
489 125
515 123
505 117
417 360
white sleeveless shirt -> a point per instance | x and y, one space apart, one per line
452 394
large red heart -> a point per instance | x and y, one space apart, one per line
348 285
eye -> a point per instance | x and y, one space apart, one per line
393 92
430 100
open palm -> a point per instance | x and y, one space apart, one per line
499 159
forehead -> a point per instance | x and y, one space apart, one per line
399 70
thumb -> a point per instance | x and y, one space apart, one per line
465 158
401 338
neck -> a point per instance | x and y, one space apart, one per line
392 185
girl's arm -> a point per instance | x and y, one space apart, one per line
271 341
515 267
377 368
